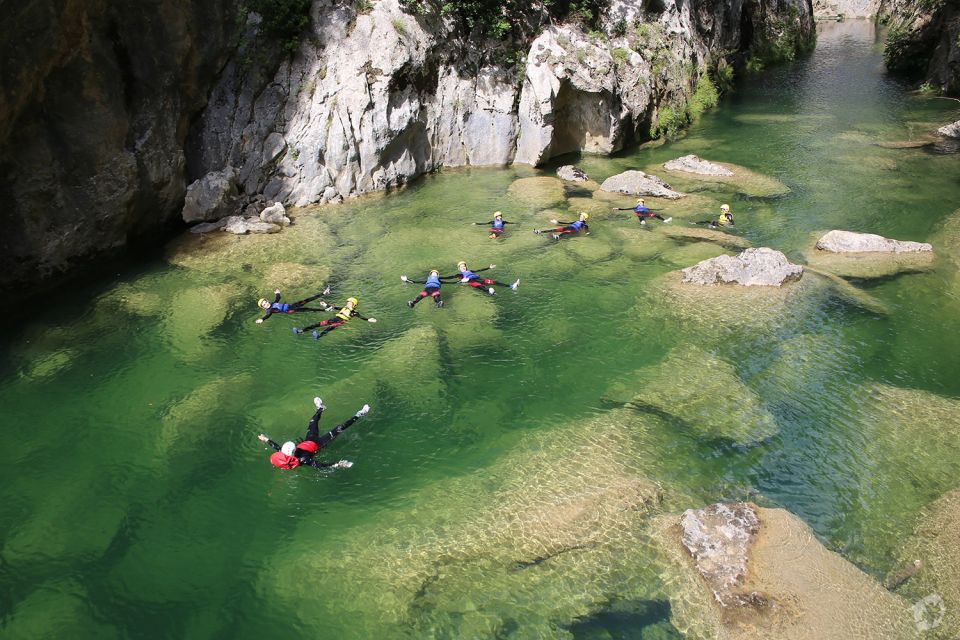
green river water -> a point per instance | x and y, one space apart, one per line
137 501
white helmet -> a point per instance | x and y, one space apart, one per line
288 448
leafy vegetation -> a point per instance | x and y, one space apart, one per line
672 120
283 20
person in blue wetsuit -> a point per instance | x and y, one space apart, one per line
569 227
431 288
496 225
642 212
294 307
470 278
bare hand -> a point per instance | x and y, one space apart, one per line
262 438
276 290
493 266
259 320
404 278
554 222
371 319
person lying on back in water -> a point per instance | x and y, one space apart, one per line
569 227
724 220
342 317
294 307
291 456
471 279
496 225
431 288
643 212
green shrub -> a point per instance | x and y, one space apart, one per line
704 97
283 20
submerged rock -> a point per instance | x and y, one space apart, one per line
571 173
275 214
538 192
640 184
931 561
209 227
701 391
694 164
761 573
838 241
753 267
696 234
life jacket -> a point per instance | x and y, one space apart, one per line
641 210
432 281
309 446
283 461
724 221
345 313
279 307
469 275
576 226
497 224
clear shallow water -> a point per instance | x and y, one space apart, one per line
137 501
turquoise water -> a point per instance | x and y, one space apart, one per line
138 502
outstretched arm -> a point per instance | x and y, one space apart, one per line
362 317
263 438
276 298
488 222
406 279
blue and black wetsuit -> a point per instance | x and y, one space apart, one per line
471 279
572 227
496 226
294 307
642 212
431 288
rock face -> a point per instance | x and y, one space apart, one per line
693 164
212 197
641 184
850 242
134 112
571 173
753 267
275 214
846 8
926 42
740 571
950 130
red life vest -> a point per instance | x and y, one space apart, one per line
283 461
309 446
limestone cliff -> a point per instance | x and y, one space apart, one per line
924 41
108 113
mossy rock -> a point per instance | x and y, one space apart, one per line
467 318
691 253
743 180
643 243
296 280
867 265
193 314
538 192
58 608
700 234
183 423
702 392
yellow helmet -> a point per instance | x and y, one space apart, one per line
724 207
262 302
584 215
640 201
436 271
498 213
461 264
353 301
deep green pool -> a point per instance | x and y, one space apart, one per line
137 501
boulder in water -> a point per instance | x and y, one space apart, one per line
753 267
950 130
212 197
256 226
737 571
571 173
641 184
275 214
694 164
838 241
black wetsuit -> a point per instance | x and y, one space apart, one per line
473 280
642 212
294 307
306 456
331 323
431 288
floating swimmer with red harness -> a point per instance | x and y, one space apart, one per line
567 228
470 278
293 307
290 455
643 212
431 288
496 225
341 318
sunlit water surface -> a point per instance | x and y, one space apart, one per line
137 501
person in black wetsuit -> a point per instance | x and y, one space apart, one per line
291 456
569 227
431 288
342 317
496 225
642 212
294 307
470 278
724 220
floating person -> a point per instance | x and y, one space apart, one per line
342 317
725 218
431 288
569 227
294 307
291 456
643 212
471 278
496 225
